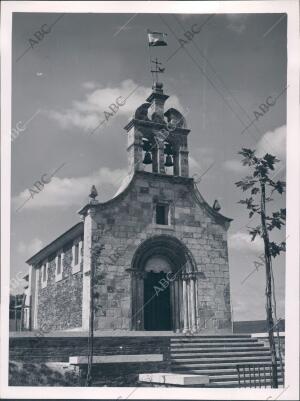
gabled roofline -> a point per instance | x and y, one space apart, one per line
85 208
220 218
199 198
53 246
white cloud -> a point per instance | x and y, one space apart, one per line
200 159
193 164
273 142
234 166
240 241
89 85
66 192
88 113
31 247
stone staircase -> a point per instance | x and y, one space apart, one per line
218 355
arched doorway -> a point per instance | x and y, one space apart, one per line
164 286
157 295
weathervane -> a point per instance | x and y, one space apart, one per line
156 39
158 69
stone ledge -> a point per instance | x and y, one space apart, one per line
83 360
174 379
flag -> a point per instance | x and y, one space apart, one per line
157 39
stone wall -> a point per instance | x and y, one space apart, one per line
60 303
125 222
256 326
59 349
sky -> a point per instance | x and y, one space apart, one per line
63 81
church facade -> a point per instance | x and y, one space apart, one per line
155 254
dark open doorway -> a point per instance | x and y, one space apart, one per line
157 307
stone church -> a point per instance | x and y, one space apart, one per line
157 251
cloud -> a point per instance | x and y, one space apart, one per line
66 192
200 159
234 166
30 247
237 23
273 142
88 113
240 241
193 164
90 85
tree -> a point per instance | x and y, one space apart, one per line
262 187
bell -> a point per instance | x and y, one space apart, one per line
169 161
168 149
146 145
147 158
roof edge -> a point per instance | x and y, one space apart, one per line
51 247
218 216
84 209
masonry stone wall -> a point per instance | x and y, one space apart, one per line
44 360
125 222
60 303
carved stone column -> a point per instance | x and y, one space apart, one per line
193 304
137 299
161 158
140 301
177 305
173 303
176 160
155 159
180 285
185 305
133 300
188 303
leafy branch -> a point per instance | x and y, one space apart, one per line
262 187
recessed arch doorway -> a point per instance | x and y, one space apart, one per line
157 294
164 286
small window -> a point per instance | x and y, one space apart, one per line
76 254
59 264
162 212
44 276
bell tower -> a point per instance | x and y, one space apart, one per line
157 137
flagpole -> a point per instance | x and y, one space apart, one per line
148 31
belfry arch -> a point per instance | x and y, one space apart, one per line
167 258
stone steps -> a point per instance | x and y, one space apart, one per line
234 384
212 340
220 353
192 337
194 347
228 358
222 348
215 344
223 372
217 364
218 357
231 377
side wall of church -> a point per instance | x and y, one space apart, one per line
60 303
124 223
